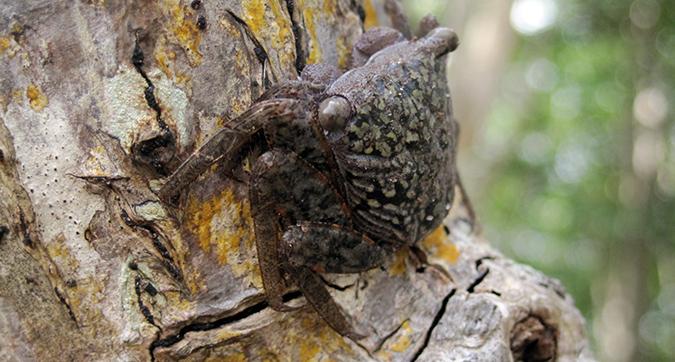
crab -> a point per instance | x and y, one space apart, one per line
355 165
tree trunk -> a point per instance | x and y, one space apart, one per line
101 99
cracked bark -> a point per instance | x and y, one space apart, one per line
100 99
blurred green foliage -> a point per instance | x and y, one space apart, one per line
579 145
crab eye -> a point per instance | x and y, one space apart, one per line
333 113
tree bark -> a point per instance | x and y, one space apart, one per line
101 99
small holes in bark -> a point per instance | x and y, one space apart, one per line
3 231
201 22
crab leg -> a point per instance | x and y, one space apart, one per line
283 189
229 141
331 248
315 292
311 247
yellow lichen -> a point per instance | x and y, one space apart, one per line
323 341
177 299
269 22
220 121
38 101
84 298
236 356
4 44
440 247
93 163
224 227
182 78
184 29
209 215
309 349
329 6
57 248
371 15
254 15
398 344
315 50
224 334
9 44
343 52
284 35
398 266
403 341
302 337
164 58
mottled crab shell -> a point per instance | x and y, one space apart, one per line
395 147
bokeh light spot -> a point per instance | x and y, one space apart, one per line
648 152
530 17
542 75
657 329
650 107
571 163
645 13
534 148
566 102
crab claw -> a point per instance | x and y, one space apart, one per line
441 41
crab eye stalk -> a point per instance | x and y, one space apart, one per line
441 41
333 113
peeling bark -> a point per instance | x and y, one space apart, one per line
100 100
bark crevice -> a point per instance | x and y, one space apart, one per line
434 324
157 150
297 37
